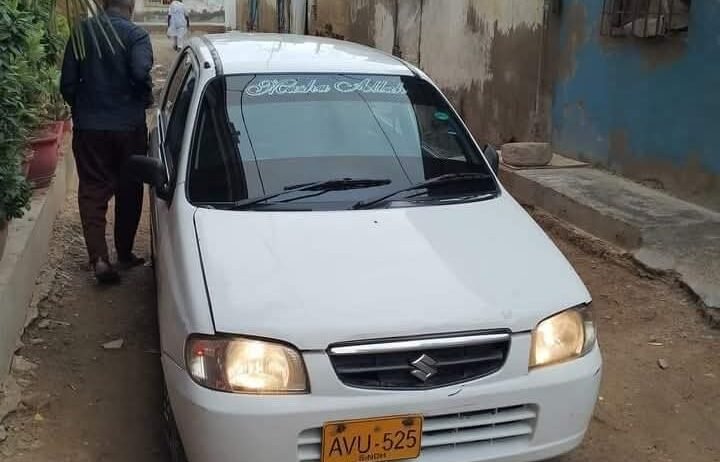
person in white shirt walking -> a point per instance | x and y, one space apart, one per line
178 24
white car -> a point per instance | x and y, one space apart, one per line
340 275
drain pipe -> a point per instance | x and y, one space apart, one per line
307 17
420 32
396 39
541 59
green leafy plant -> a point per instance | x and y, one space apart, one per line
54 104
17 115
28 65
14 192
32 41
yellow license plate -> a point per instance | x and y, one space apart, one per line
372 440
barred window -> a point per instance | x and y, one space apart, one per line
644 18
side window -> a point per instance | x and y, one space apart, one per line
439 133
215 171
175 130
174 86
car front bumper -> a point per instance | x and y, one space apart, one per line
555 403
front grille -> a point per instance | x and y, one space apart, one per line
420 363
478 430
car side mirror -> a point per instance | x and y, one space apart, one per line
151 171
492 157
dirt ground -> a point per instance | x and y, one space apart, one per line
85 403
660 397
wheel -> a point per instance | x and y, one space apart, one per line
172 436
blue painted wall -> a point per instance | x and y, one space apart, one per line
626 102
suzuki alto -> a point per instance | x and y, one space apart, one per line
340 275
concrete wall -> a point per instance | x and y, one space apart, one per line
486 54
231 14
523 70
25 254
266 15
647 108
267 20
242 13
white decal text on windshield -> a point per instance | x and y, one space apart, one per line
273 87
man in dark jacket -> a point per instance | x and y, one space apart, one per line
108 94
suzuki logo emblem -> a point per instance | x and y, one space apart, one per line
424 368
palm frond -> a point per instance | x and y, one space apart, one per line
102 22
89 25
89 16
104 17
73 37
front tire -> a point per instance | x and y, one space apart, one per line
172 435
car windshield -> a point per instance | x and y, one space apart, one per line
260 135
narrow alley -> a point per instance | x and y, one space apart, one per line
90 388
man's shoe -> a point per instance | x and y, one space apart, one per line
126 263
105 273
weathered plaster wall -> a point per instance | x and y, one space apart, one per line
409 27
364 21
484 53
647 108
267 20
242 13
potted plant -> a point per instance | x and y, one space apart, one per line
45 159
44 139
24 91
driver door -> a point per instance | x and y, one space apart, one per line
167 144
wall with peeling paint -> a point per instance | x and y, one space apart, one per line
267 15
485 54
647 108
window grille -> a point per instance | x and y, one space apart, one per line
644 18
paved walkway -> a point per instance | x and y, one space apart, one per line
661 232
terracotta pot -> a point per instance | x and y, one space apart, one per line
42 167
67 125
28 155
3 236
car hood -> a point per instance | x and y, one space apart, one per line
317 278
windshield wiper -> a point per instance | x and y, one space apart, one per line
441 180
320 187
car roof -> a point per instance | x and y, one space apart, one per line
242 53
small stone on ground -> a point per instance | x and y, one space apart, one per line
114 344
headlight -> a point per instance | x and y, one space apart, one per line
562 337
242 365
